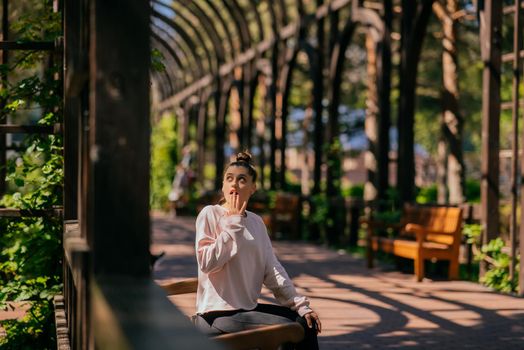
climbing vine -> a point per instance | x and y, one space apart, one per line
30 248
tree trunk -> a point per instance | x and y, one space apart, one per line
453 123
371 124
414 25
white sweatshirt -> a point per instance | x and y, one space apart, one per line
235 258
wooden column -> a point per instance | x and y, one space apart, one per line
74 82
490 41
221 97
118 222
272 96
202 125
517 73
384 90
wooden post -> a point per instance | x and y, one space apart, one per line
384 90
74 80
490 40
272 96
517 72
221 97
118 219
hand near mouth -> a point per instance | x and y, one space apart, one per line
234 206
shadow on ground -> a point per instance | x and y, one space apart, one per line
371 309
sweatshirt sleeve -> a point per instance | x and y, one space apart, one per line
216 243
278 281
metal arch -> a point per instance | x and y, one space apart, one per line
181 49
160 84
223 22
167 81
171 22
221 98
168 48
187 74
273 16
215 40
178 29
242 16
258 19
375 28
282 13
198 8
182 46
285 87
166 72
179 78
301 10
164 83
240 23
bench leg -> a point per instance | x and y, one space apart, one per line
453 270
419 268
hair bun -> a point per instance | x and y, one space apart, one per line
244 157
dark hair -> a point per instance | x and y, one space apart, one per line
244 160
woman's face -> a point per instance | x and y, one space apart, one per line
238 182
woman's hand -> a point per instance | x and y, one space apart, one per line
311 318
234 207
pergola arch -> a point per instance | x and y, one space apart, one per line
210 57
205 24
274 38
174 70
177 53
181 50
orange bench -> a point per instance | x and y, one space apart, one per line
263 338
425 233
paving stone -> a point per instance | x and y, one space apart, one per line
364 308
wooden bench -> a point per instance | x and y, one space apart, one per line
282 221
263 338
285 217
424 233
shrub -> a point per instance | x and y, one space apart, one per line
163 161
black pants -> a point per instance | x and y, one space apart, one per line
220 322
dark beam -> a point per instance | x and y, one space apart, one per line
30 129
29 46
19 213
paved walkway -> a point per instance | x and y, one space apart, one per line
368 309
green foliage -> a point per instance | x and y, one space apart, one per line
498 261
472 232
354 191
319 215
30 248
472 191
427 194
34 331
334 163
157 61
497 276
163 161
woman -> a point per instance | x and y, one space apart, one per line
235 258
